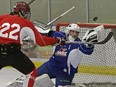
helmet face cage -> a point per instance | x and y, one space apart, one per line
23 9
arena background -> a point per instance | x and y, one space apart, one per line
86 11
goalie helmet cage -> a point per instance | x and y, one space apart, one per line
99 67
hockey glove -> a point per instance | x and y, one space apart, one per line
60 42
90 37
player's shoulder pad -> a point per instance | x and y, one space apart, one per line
57 34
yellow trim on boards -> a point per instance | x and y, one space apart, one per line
102 70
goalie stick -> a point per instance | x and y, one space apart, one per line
109 36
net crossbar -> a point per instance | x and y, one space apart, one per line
88 25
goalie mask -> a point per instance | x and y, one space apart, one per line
72 32
22 9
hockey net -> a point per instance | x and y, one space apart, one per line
98 69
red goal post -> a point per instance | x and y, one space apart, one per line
88 25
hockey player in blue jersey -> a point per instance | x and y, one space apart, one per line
64 62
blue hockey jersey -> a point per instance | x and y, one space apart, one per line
66 59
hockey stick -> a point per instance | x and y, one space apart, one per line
46 26
109 36
41 25
31 2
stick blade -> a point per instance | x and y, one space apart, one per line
109 36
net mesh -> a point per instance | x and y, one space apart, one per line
100 67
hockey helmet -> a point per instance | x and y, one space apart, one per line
73 27
23 9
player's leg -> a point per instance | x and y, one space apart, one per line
40 71
43 81
44 75
29 81
63 80
40 81
1 66
25 66
45 69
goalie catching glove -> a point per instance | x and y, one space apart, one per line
90 37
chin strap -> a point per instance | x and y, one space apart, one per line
70 38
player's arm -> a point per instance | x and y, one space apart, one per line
43 40
57 34
90 36
86 50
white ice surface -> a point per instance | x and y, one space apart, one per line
8 74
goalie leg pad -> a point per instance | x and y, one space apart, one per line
43 81
77 85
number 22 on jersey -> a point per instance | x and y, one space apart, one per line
6 26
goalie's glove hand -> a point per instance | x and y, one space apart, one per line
60 42
90 37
